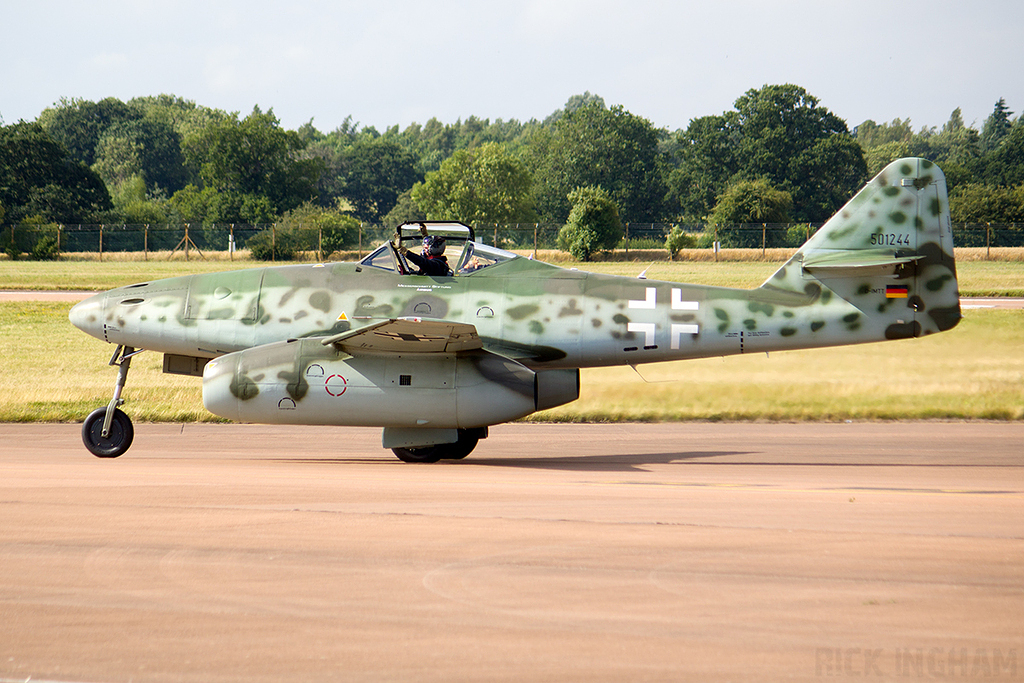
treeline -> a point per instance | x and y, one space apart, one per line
776 157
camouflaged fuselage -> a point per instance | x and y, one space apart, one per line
880 269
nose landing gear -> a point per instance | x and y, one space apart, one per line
108 432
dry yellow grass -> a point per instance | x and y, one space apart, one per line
49 371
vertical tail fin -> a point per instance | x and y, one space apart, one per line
889 252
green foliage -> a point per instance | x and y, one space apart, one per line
271 245
676 240
406 210
977 203
752 201
1005 165
997 126
309 228
146 148
37 178
609 148
210 205
742 210
706 160
255 160
375 172
32 237
314 228
221 168
593 223
779 133
482 185
78 124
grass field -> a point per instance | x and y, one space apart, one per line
976 277
49 371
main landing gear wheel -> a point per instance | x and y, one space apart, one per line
118 438
468 439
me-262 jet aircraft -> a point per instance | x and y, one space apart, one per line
436 359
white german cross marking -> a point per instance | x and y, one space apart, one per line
650 302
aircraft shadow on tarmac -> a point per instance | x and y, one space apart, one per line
625 462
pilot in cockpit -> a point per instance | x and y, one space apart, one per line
432 261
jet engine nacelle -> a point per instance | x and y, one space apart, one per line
304 382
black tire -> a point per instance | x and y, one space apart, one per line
118 440
468 439
424 454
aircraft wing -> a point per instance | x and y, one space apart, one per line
408 335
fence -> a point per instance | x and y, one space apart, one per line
270 242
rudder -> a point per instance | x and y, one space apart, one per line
888 251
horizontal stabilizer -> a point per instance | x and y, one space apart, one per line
408 335
860 260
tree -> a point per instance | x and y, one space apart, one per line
253 162
706 160
374 172
779 133
976 203
483 185
997 126
752 201
608 148
787 138
1004 166
593 223
78 124
306 228
208 206
38 178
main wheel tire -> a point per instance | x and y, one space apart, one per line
468 439
116 442
423 454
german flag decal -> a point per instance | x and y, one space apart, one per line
896 291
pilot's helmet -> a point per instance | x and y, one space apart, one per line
433 246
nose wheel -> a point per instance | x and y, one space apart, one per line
117 439
108 432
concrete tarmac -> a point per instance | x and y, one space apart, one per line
663 552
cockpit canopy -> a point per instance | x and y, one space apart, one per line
464 254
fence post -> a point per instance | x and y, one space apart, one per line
627 241
187 240
101 242
714 244
231 242
273 242
145 243
59 228
360 252
764 232
535 226
988 241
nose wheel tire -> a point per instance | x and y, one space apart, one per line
116 442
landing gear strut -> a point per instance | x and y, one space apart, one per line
468 439
108 432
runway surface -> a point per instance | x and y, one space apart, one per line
665 552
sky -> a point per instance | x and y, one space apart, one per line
395 62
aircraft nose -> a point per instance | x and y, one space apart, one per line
87 315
